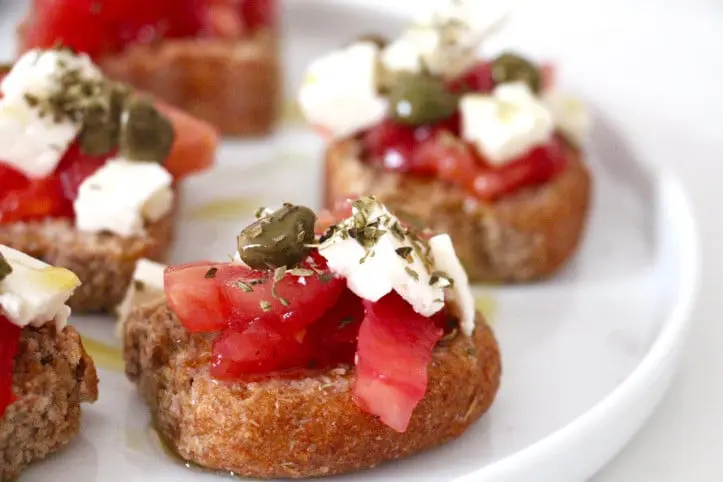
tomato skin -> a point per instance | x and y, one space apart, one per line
193 295
9 340
394 349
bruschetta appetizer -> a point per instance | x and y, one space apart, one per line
45 374
89 171
310 355
218 59
483 149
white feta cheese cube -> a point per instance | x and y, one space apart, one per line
38 72
383 269
446 260
29 143
506 124
339 92
146 287
122 195
34 292
32 144
571 115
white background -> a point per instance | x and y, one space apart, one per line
670 87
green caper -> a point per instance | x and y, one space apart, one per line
378 40
5 268
421 99
100 131
278 239
145 135
509 67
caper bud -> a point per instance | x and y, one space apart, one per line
510 67
100 131
5 268
278 239
378 40
421 99
146 135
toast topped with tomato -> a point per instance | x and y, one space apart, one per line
218 60
311 355
89 171
45 374
483 149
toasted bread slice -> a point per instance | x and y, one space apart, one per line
104 262
302 426
53 376
524 236
233 84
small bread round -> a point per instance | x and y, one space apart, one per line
53 375
523 236
104 262
233 84
304 426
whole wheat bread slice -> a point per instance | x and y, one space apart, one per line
524 236
303 426
53 375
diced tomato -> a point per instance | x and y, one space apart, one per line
9 340
394 349
446 156
259 13
477 79
75 167
297 302
335 335
535 167
39 199
392 144
100 27
257 348
194 296
194 146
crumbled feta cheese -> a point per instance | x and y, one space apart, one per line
446 260
29 143
383 269
444 41
506 124
35 293
570 114
146 286
122 195
339 92
37 72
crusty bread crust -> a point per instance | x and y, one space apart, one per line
524 236
233 84
53 376
296 427
104 262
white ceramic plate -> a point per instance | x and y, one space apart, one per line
587 355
